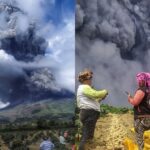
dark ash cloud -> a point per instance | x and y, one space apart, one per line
27 59
112 38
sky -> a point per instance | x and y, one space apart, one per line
65 7
62 41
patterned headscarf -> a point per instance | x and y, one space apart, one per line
144 76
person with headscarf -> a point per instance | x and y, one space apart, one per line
88 101
141 103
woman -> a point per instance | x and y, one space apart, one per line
88 101
141 103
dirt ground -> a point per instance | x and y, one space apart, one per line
111 131
2 145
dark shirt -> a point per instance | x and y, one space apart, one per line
144 107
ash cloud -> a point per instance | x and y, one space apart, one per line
30 58
112 39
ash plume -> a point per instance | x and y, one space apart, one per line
112 39
27 60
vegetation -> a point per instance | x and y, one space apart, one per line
105 109
37 125
25 140
24 130
27 134
47 109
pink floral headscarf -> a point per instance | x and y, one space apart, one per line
144 76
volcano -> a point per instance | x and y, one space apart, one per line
20 46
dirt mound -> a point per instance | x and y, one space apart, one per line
111 131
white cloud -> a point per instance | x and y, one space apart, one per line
62 52
4 57
33 8
3 105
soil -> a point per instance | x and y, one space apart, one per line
2 144
111 131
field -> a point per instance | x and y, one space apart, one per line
111 131
112 128
30 140
22 127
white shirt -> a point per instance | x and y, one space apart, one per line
84 102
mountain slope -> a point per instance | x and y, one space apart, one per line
50 109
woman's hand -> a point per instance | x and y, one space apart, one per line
105 96
129 96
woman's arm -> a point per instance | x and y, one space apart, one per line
137 98
94 94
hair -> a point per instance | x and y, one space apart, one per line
45 137
142 83
84 75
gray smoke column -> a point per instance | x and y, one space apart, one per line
31 60
112 39
18 32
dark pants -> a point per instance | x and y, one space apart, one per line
88 117
141 125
